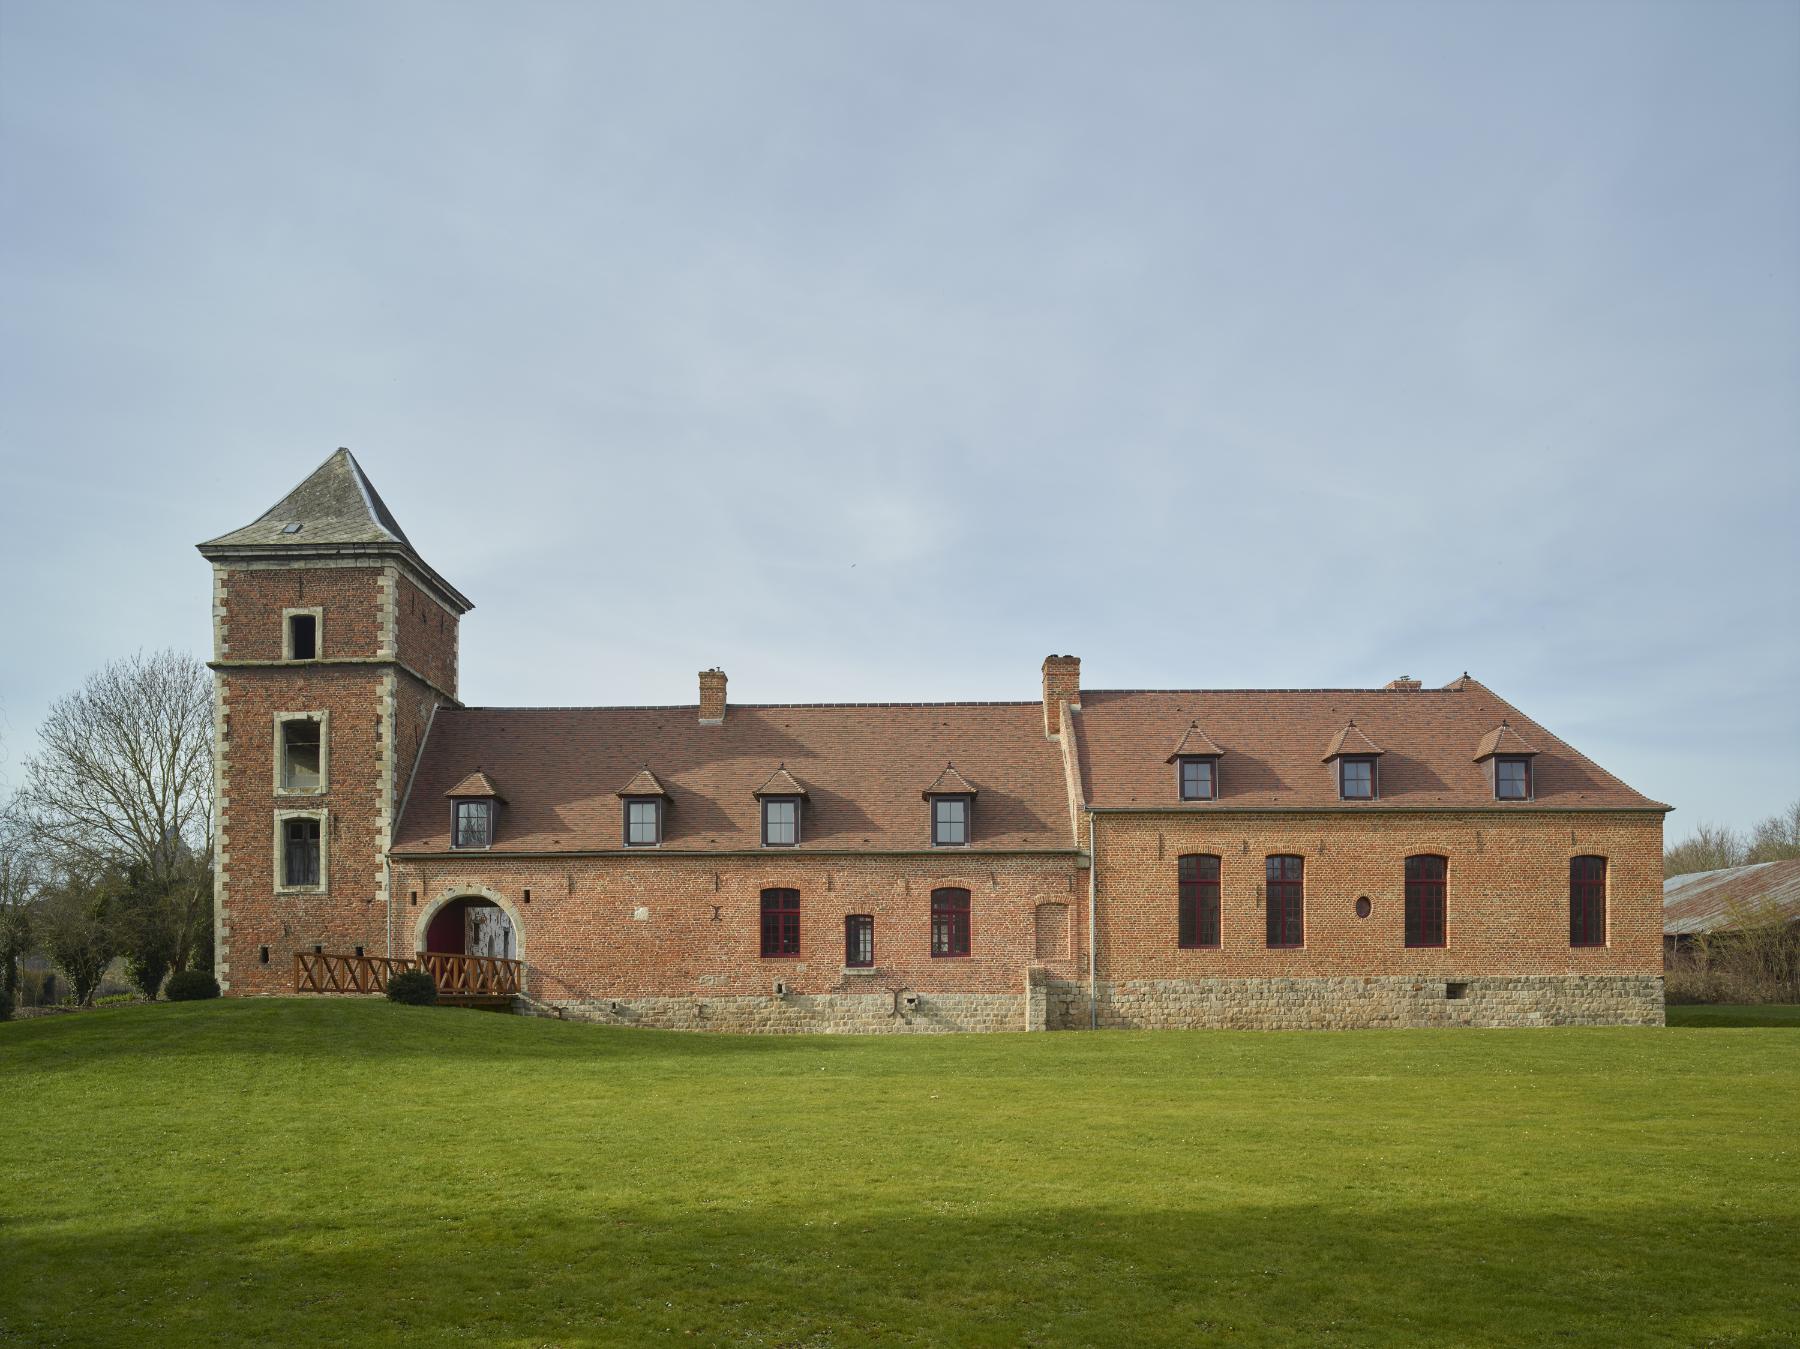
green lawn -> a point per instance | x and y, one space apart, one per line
1766 1014
319 1172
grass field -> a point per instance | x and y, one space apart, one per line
295 1173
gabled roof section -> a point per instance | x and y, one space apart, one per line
336 504
1352 742
1194 744
644 784
476 784
780 783
335 511
949 783
1501 740
1704 901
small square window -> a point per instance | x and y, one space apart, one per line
474 824
1356 779
1197 779
949 821
1512 779
643 823
781 822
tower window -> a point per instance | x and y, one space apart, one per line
300 851
303 636
301 755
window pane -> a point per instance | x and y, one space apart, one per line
299 755
781 922
1197 921
859 940
1425 900
780 818
949 922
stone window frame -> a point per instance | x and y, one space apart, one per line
324 818
323 717
317 614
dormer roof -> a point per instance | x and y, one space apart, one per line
780 783
949 783
1194 744
476 784
644 784
1502 740
1350 742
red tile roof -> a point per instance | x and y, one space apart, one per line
1501 740
1350 741
1272 739
644 784
861 764
1196 743
475 784
949 783
780 783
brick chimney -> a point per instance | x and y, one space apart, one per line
1405 683
1062 684
712 697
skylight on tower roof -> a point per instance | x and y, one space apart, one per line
292 527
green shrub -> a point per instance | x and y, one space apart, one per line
191 986
6 1003
413 987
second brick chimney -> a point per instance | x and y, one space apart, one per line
712 697
1062 684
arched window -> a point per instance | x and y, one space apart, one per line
1587 901
1426 885
949 922
781 922
1197 906
1286 894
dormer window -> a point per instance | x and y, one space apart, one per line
1512 779
949 821
474 824
474 811
643 822
780 800
1356 778
781 821
951 798
1198 777
645 804
1508 759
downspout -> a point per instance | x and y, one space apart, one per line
1093 943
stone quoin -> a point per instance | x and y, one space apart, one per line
1329 858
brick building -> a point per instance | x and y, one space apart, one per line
1314 857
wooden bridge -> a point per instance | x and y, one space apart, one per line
466 981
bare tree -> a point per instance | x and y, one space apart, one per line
1708 848
124 770
21 877
1777 837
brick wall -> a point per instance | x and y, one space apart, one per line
253 599
660 934
425 635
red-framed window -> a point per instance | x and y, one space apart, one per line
781 922
1427 884
949 922
1285 890
1197 920
1587 901
859 941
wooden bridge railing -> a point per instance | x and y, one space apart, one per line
471 976
456 976
323 972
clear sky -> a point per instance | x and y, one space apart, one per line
874 351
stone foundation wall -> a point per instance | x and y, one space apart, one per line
874 1013
1360 1003
1047 1002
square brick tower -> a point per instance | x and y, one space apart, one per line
333 645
